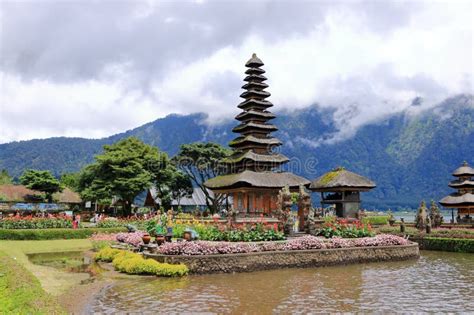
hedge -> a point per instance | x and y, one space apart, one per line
54 234
461 245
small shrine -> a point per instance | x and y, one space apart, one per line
342 188
253 179
463 199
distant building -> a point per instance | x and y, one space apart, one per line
196 201
252 179
463 199
342 188
21 198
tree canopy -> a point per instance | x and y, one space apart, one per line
5 178
201 161
43 181
125 169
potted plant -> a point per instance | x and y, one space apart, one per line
160 235
146 238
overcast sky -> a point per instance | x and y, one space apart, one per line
95 68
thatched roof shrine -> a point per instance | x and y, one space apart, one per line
341 179
256 179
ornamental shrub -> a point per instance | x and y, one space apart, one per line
106 254
133 263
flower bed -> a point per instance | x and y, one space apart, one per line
30 222
132 263
133 239
300 243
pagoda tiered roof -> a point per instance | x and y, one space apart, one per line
464 197
254 162
464 170
254 129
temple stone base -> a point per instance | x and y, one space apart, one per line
228 263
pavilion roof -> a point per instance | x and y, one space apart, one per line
462 184
252 156
249 178
464 170
341 179
457 200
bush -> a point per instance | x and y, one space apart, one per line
132 263
448 244
53 234
107 254
249 233
345 230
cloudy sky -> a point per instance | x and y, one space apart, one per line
95 68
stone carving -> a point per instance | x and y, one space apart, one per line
428 224
420 219
435 215
304 206
284 209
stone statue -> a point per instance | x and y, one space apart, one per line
304 205
284 209
428 224
402 225
420 219
311 222
435 215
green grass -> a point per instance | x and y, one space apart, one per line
54 234
21 292
376 220
53 281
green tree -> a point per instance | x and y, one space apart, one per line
125 169
181 186
201 161
43 181
5 178
70 180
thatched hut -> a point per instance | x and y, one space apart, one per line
342 188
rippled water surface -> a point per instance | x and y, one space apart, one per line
437 282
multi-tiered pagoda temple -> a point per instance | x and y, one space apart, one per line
252 178
463 199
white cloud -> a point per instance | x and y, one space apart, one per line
365 60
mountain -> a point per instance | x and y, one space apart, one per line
409 155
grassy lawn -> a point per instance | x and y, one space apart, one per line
53 281
21 292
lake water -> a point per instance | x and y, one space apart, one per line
437 282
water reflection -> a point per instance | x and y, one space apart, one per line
438 282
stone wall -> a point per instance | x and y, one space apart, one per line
202 264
